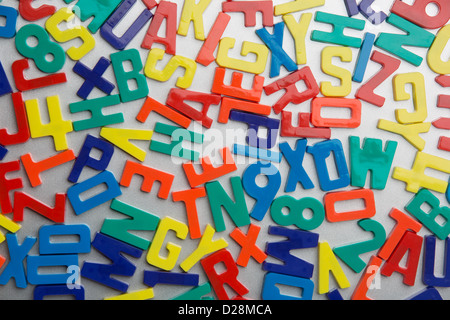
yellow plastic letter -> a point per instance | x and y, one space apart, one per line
434 57
121 137
206 246
169 262
193 12
345 76
416 179
417 81
327 263
56 128
298 31
297 5
256 67
79 31
157 54
409 131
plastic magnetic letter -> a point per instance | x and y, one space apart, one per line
415 36
297 173
5 87
165 10
189 197
254 122
35 262
17 253
168 262
321 151
93 78
57 128
39 52
177 97
368 277
345 77
23 131
366 195
429 219
292 95
95 106
263 195
152 278
229 104
410 132
228 277
429 277
296 210
84 159
373 158
98 10
206 53
376 18
123 77
437 48
271 291
30 13
206 246
404 223
337 35
388 66
55 214
235 88
417 81
193 12
350 254
259 50
298 31
318 104
429 293
296 5
304 128
328 263
411 243
178 135
23 84
42 291
363 57
209 171
121 139
352 7
107 29
334 295
81 206
149 176
274 42
416 178
417 12
113 250
151 104
120 228
157 54
248 245
250 9
258 153
8 30
219 198
76 32
292 265
197 293
47 246
6 185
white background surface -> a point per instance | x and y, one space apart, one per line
336 234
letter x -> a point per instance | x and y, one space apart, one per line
93 78
248 244
17 253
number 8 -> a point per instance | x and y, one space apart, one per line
39 52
